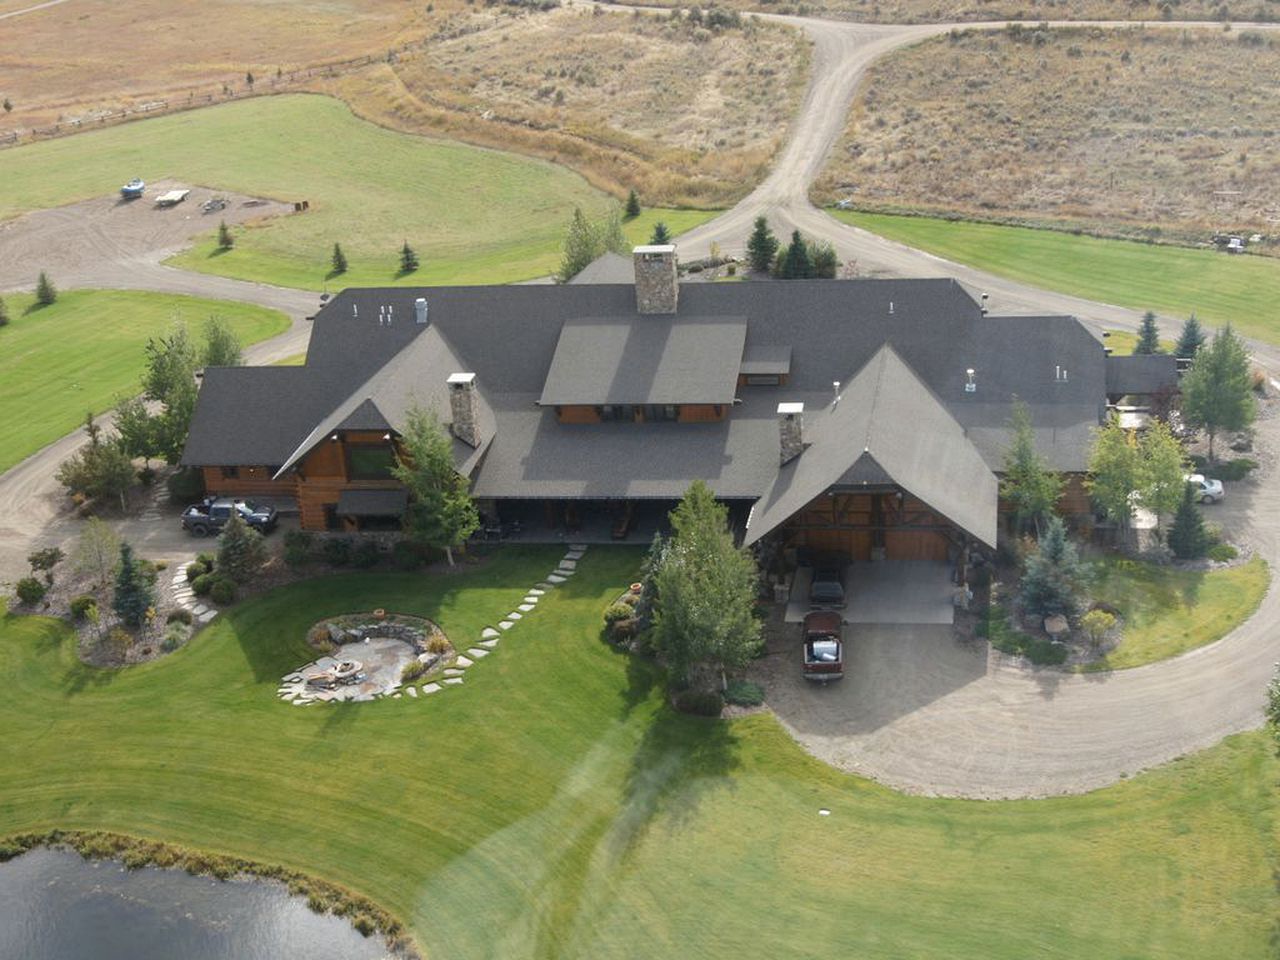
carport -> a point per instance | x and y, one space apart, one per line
885 591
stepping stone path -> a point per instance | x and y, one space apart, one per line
430 688
463 662
555 578
535 592
183 597
489 643
453 680
412 691
453 672
505 625
568 564
515 615
525 607
489 633
477 653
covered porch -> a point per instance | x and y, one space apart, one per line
585 520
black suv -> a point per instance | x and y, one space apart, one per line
211 515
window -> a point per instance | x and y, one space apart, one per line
617 411
230 473
370 462
661 411
763 379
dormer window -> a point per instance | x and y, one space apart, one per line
611 412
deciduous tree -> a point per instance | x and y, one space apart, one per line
99 469
96 553
1216 393
580 246
440 513
705 591
1161 467
1030 486
1114 472
221 345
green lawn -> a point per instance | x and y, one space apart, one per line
1122 342
59 361
552 807
473 215
1175 281
1168 611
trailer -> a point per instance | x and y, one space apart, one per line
172 198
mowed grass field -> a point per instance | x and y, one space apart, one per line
473 215
553 807
1173 281
88 348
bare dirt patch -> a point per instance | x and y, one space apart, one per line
1130 132
84 244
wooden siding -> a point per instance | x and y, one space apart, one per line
577 414
322 476
702 412
857 525
249 482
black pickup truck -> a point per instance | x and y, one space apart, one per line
211 515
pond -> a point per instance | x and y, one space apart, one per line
54 905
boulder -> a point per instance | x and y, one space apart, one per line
1056 626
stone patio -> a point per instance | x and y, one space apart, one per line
382 660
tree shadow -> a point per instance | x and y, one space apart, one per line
35 307
334 274
679 761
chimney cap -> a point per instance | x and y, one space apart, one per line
461 379
787 409
654 248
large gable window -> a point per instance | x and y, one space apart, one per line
367 461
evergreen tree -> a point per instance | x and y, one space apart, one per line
1190 340
8 105
248 79
441 513
706 588
762 246
225 240
1052 579
408 259
825 261
633 205
795 260
1029 485
1114 472
99 469
241 550
46 292
338 261
1188 538
1216 393
134 593
221 345
580 246
4 313
661 235
1148 335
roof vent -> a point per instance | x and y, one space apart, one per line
355 312
420 310
970 385
1060 374
891 308
835 392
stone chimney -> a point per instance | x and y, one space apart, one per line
420 310
657 280
463 405
790 431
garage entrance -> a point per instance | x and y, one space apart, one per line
884 591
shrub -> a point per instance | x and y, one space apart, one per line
623 629
208 559
118 642
202 584
437 643
31 591
80 605
412 671
223 591
195 569
174 636
185 484
1222 553
1096 624
147 476
180 615
618 611
407 555
744 693
1228 470
700 703
297 547
365 554
336 551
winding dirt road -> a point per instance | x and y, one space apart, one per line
948 726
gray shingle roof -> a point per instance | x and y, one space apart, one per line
609 267
886 413
508 336
773 359
648 359
1143 374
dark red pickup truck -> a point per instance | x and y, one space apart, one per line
823 634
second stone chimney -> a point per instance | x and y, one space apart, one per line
463 405
657 278
790 431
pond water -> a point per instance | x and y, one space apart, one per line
54 905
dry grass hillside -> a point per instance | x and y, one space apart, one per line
1126 132
89 57
959 11
688 110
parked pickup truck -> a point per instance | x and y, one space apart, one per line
212 514
823 633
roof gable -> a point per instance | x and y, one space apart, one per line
887 423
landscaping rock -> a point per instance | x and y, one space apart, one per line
453 672
543 587
489 643
555 578
568 564
477 653
412 691
530 600
489 632
1056 626
525 607
564 572
453 680
505 625
431 688
336 633
515 615
206 616
462 662
535 592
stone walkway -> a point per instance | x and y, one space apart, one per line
453 676
185 599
